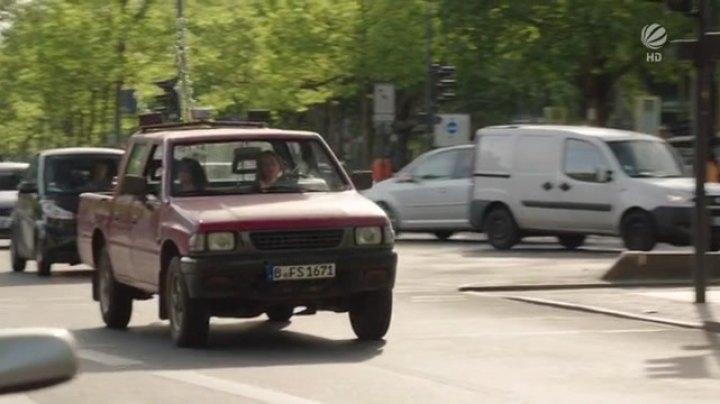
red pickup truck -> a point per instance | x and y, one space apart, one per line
237 220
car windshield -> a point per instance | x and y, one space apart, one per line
646 158
255 166
80 173
10 179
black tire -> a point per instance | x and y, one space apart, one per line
502 231
394 221
18 264
370 314
443 235
280 314
638 231
189 320
116 303
571 241
43 259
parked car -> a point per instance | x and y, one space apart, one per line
10 175
573 181
215 242
431 194
43 222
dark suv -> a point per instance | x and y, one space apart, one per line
43 222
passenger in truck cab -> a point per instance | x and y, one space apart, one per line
270 167
191 175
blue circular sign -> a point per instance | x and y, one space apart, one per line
452 127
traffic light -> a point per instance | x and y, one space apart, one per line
168 103
442 82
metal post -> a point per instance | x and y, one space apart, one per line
705 123
429 105
186 96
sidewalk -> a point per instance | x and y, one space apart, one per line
672 306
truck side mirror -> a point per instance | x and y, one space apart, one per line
134 185
362 180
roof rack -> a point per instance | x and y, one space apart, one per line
201 125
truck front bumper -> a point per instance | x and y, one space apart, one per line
248 278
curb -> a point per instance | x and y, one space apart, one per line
707 326
596 285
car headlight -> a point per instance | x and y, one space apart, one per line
368 235
680 197
52 211
221 241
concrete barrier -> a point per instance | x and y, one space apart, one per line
659 265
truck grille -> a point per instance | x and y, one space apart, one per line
297 239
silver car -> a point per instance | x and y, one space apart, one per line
10 176
431 194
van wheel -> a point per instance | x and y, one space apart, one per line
638 231
443 235
502 231
116 303
571 241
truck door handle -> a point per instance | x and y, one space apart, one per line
564 186
547 186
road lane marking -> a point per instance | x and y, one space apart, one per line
234 388
542 333
106 359
17 399
437 299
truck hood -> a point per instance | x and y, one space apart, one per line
280 211
682 184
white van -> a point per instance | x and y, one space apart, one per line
574 181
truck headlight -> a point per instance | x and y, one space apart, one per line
52 211
221 241
368 235
680 197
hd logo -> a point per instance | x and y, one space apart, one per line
654 37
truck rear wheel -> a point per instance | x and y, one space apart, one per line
43 259
116 303
370 314
189 320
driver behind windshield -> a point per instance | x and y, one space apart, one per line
191 175
269 169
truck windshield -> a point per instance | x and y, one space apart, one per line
255 166
80 173
647 158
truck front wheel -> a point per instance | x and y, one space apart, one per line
116 303
370 314
189 321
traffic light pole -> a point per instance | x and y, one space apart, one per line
182 64
705 123
429 82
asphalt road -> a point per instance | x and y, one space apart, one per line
443 347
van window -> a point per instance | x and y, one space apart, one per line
582 160
494 154
536 155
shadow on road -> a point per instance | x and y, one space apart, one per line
699 366
30 278
249 343
535 252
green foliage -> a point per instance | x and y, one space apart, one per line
62 62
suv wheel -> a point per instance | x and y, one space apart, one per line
280 314
571 241
638 231
18 264
189 321
502 231
370 314
43 258
116 304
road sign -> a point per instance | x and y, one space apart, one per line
452 130
384 102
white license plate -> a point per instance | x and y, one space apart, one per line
300 272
